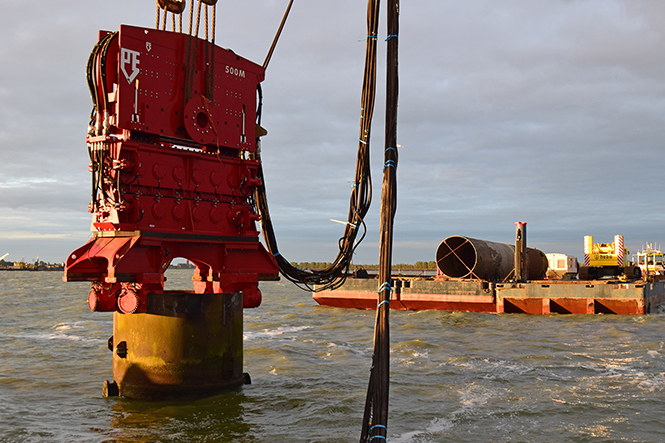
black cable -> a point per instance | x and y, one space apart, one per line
375 417
101 48
361 196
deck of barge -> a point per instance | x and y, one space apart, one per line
534 297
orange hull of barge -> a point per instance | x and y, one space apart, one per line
536 297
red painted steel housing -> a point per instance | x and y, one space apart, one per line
173 170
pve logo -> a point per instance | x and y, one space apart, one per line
129 64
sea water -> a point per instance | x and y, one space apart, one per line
455 377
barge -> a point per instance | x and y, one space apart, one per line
481 276
611 296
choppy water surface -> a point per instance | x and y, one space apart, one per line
456 377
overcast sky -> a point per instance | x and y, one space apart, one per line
544 111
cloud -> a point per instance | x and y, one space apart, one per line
548 111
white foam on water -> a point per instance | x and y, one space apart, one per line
64 337
654 354
490 368
437 426
270 333
414 357
57 336
653 384
470 400
62 326
356 349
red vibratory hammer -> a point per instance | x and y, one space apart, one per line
172 143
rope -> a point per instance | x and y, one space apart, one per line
191 15
214 19
387 286
206 23
198 19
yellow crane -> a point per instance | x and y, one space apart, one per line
607 260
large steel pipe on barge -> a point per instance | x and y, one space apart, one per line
464 257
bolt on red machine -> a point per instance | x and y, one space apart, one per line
172 145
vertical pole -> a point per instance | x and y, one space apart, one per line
619 250
279 32
588 249
521 269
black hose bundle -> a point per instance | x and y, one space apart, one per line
97 63
99 95
361 196
375 417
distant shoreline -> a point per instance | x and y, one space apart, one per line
33 270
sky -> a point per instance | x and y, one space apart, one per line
544 111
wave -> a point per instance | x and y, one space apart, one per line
57 336
271 333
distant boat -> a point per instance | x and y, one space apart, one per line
651 261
